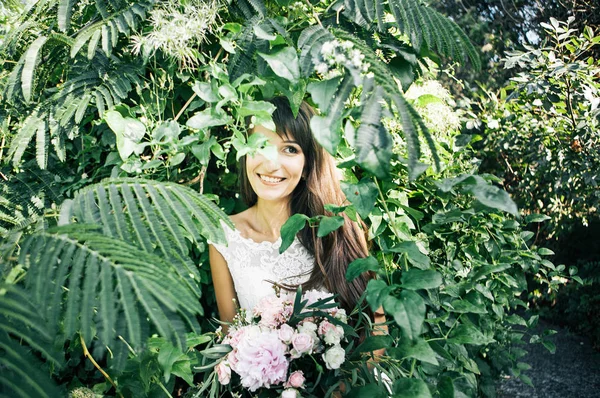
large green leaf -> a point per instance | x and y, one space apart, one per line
411 388
362 195
284 63
408 310
373 143
415 279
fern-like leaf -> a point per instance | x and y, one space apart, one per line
373 143
251 8
421 23
95 264
65 9
124 20
23 329
412 123
32 56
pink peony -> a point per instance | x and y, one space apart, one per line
296 380
303 343
260 358
223 372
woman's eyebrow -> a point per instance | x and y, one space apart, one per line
290 142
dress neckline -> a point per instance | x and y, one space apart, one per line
265 243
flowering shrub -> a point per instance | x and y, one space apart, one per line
287 344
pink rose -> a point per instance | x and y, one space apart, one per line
296 380
223 372
303 343
260 358
332 334
286 332
290 393
273 310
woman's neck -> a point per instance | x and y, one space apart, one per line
268 217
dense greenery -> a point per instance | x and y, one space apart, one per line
121 128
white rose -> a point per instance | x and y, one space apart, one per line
290 393
334 357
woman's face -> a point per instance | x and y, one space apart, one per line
274 180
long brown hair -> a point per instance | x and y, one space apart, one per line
319 186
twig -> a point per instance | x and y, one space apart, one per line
185 106
87 354
314 12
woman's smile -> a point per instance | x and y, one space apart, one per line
275 178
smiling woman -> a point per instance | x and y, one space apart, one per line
300 178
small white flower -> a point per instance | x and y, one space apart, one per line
347 45
322 68
328 48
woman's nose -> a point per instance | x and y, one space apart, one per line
272 162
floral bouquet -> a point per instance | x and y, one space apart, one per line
288 345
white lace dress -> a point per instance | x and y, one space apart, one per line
252 264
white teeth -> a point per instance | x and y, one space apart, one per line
270 179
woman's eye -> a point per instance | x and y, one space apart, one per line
291 149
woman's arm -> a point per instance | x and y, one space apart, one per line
224 290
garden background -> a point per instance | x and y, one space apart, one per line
466 132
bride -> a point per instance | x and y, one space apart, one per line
301 179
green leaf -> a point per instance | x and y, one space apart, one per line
167 356
360 265
415 279
31 61
468 334
536 218
129 133
542 251
329 224
408 310
323 91
205 91
373 143
369 390
284 63
362 195
327 135
413 254
208 118
411 388
495 198
418 349
377 291
374 343
290 229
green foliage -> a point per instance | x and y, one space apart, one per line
125 259
541 138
